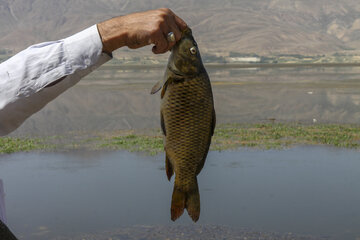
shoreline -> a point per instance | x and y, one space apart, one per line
234 65
226 137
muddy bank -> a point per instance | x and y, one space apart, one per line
197 232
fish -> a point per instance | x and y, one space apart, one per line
187 119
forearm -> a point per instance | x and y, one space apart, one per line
24 77
31 79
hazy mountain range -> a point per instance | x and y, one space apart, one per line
264 27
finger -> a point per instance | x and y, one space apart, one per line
161 43
174 28
180 23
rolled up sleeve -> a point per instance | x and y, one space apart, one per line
23 77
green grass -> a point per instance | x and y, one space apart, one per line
263 136
230 136
11 145
136 143
284 135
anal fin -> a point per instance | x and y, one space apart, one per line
169 168
162 123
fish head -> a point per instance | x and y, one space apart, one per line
185 56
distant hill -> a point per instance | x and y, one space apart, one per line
264 27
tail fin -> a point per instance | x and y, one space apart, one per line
189 200
193 204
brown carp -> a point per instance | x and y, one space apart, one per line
187 122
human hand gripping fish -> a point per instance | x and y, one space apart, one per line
139 29
187 122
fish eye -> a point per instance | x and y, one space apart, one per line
193 50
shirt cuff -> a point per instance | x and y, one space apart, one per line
83 49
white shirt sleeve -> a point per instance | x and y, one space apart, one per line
23 77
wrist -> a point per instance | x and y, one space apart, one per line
112 35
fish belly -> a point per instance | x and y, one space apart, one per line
187 109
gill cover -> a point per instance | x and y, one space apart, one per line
171 65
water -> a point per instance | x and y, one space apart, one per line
263 194
115 98
303 190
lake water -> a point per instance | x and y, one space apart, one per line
305 190
287 194
115 98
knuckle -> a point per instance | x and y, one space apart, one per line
165 10
153 32
161 22
163 16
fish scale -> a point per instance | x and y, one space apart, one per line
186 110
187 121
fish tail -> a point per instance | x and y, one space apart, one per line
193 202
178 203
189 200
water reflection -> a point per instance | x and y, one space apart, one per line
311 191
117 98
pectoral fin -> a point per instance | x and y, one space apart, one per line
157 86
160 83
164 89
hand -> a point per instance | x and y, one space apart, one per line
140 29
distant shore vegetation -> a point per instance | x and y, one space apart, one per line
226 137
231 58
242 58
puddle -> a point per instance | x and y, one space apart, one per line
304 190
